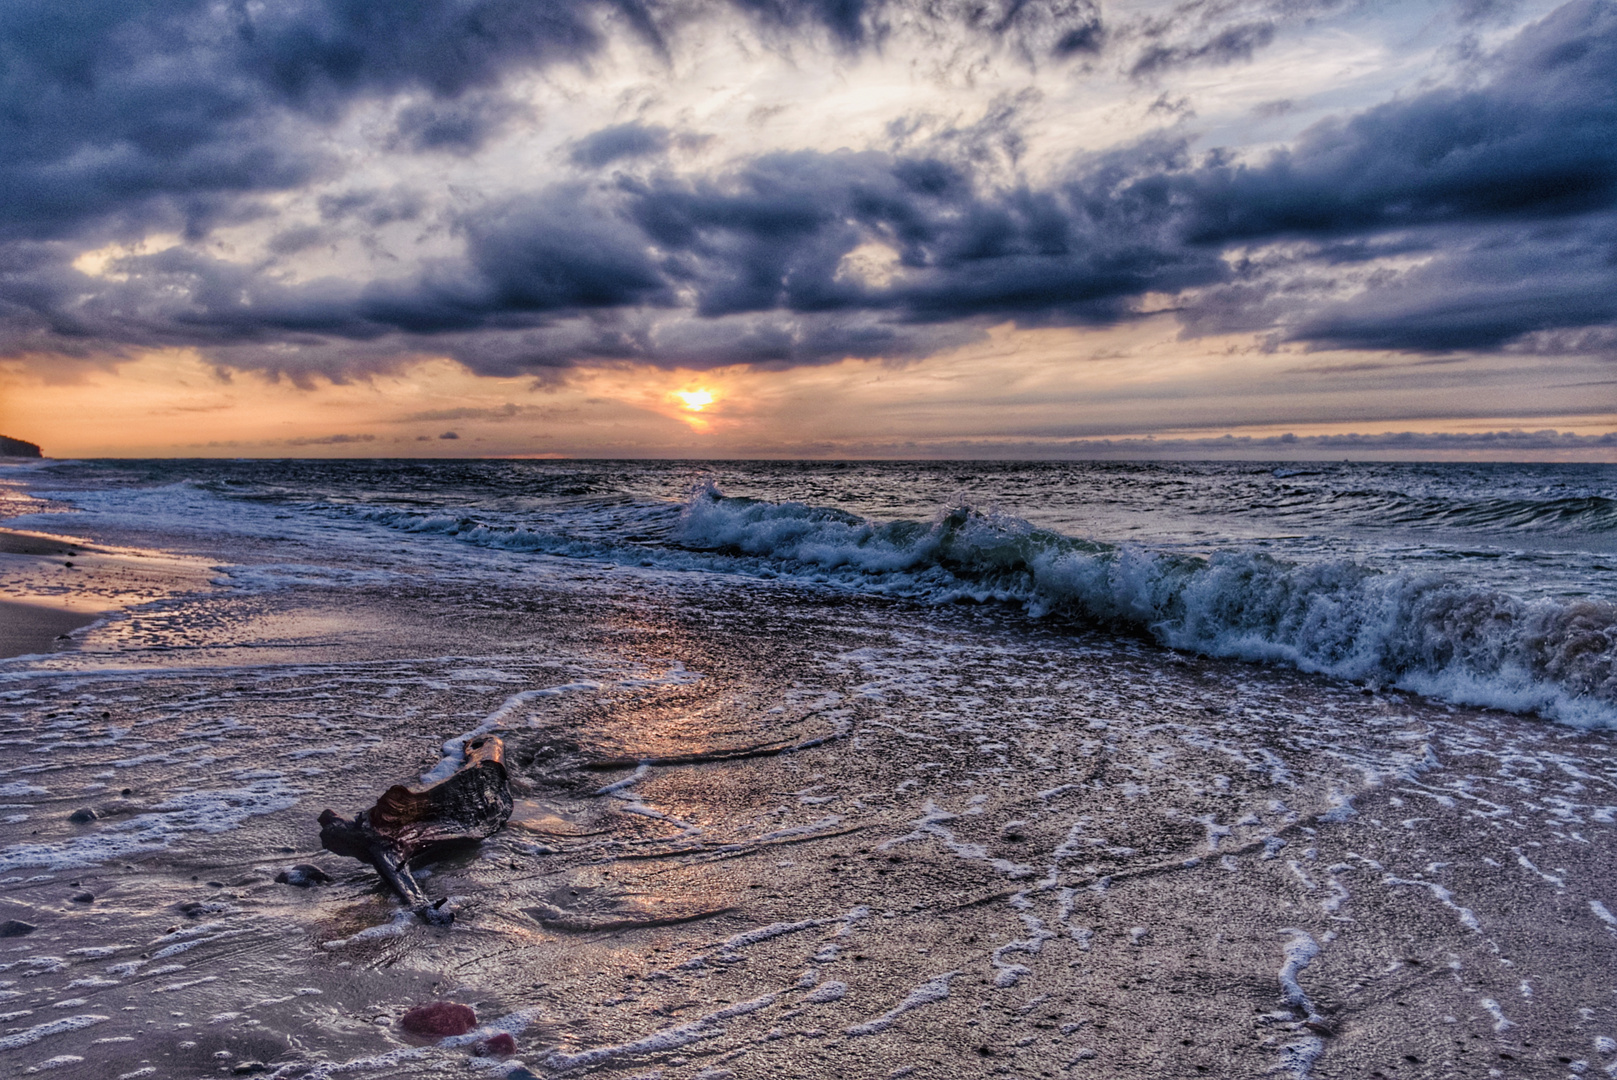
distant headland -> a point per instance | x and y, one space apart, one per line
18 448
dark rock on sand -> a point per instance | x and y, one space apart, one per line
16 928
438 1020
196 909
501 1045
83 898
83 816
303 875
248 1068
471 805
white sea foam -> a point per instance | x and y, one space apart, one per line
1424 632
1487 634
928 992
1299 953
205 811
29 1036
667 1039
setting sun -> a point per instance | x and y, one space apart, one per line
695 400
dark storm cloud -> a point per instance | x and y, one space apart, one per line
330 440
169 113
773 235
616 143
1501 195
1538 140
1288 447
1225 47
459 126
1510 188
372 207
1208 33
1478 442
1483 295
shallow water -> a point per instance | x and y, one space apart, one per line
961 838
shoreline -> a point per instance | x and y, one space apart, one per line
52 586
29 627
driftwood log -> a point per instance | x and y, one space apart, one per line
409 823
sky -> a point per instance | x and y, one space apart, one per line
810 228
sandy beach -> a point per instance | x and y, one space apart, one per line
29 628
765 823
1055 854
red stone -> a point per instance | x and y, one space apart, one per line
439 1019
501 1045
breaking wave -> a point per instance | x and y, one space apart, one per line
1428 633
1451 635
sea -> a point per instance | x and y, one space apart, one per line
823 768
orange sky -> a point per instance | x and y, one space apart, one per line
1019 393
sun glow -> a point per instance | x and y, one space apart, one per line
695 400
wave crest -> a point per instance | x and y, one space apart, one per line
1427 633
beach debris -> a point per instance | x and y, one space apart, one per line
501 1045
439 1020
303 875
406 823
16 928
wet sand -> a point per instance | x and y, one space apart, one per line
51 586
26 629
29 628
815 837
13 542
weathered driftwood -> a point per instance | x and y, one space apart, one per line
408 823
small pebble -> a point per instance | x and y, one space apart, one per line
16 928
83 816
303 875
247 1068
439 1019
84 898
194 909
501 1045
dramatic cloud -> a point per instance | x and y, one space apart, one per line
617 142
201 175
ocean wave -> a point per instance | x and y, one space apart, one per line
1429 633
1447 635
1585 514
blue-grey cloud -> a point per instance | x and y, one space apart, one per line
330 440
171 112
1226 47
1295 452
619 142
458 126
1295 447
1501 193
